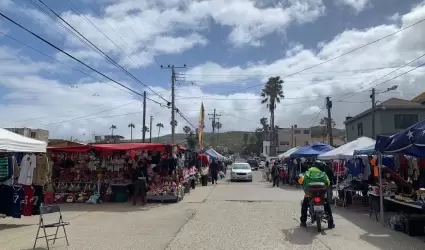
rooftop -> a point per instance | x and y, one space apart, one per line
392 103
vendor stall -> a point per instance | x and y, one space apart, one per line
411 142
24 171
288 153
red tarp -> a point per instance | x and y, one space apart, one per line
129 146
73 149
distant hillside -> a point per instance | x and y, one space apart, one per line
234 139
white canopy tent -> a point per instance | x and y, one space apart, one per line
346 151
288 153
12 142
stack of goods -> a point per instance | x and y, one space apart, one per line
121 177
163 186
74 192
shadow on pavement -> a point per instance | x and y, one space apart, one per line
376 234
12 226
110 207
302 236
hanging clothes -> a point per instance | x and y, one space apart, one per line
41 171
28 164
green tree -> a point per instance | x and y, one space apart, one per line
191 141
272 93
131 126
159 125
145 129
112 128
218 126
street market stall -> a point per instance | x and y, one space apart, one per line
288 153
106 170
309 152
214 154
410 142
24 171
353 186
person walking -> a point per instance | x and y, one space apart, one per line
214 168
139 184
275 175
204 175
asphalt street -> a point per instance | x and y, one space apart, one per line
225 216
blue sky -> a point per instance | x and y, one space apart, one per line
227 46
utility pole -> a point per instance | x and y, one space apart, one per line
329 107
150 130
372 96
213 119
144 117
173 122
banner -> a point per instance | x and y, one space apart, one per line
201 127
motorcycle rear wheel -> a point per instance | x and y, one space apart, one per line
319 226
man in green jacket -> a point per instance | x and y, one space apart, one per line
314 175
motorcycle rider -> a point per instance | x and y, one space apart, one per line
314 174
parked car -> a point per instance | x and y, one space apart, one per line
241 171
262 164
254 164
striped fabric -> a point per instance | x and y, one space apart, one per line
4 168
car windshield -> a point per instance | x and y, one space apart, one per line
241 166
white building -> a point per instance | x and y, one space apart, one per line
293 137
38 134
266 148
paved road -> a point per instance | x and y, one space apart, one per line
225 216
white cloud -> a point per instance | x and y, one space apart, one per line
32 93
357 5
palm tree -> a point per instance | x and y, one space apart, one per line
272 93
159 125
131 126
218 126
187 130
112 132
145 129
324 122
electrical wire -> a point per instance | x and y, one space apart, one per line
71 56
334 58
376 80
316 117
101 51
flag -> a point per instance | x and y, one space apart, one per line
201 127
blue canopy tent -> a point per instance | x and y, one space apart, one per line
312 150
410 141
211 155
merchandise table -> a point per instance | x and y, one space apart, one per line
404 203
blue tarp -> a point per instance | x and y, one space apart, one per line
312 150
212 156
366 151
410 141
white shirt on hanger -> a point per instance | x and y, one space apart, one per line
28 165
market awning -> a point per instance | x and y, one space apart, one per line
71 149
346 151
12 142
312 150
129 146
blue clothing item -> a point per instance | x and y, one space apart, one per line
17 199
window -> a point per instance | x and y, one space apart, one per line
306 131
297 131
284 143
32 134
360 129
403 121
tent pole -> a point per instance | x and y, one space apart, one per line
337 181
381 195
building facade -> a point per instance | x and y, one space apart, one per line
293 137
391 117
38 134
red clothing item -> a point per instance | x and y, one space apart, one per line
403 163
29 196
421 163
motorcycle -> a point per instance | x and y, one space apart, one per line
316 209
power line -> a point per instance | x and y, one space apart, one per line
108 57
317 116
71 56
372 82
337 57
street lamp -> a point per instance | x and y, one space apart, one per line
372 96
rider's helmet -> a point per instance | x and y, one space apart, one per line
319 164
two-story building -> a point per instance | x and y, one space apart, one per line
391 116
293 137
38 134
